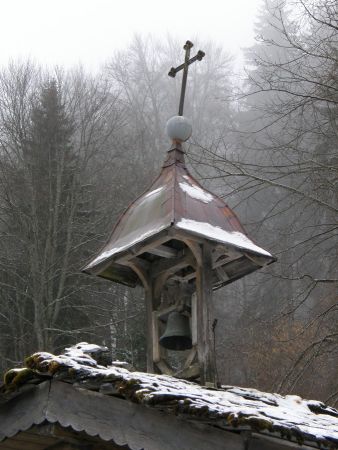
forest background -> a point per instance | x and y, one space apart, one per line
77 148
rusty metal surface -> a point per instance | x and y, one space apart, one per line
187 61
173 199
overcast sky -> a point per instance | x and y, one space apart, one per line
66 32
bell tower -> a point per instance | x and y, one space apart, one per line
180 242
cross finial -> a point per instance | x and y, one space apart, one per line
173 71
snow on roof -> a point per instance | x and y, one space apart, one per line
229 407
123 245
196 192
217 233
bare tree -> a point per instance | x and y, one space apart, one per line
280 168
59 152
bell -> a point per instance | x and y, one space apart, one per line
177 335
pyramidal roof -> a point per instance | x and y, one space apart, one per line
175 208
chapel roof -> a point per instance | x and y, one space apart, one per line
304 422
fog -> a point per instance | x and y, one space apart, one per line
88 32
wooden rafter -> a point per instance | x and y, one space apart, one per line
171 266
164 251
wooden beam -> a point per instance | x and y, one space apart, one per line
140 248
190 358
155 338
189 276
159 282
164 367
160 313
141 268
205 316
149 299
64 445
194 319
164 251
189 373
195 242
225 261
216 265
259 260
171 266
195 248
222 275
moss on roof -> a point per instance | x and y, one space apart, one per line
289 417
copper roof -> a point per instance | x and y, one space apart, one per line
176 204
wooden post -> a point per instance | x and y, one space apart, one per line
149 298
204 305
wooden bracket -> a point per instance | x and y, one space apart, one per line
164 367
195 248
259 260
141 268
190 357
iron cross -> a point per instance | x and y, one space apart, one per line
173 71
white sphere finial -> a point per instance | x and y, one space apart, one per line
179 128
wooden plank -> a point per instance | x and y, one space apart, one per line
71 436
13 444
131 424
27 436
164 251
205 316
263 442
24 410
117 420
68 446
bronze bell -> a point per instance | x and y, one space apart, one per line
177 335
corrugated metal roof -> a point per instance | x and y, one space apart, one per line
175 201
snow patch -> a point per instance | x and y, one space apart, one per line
154 192
84 347
217 233
196 192
108 253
